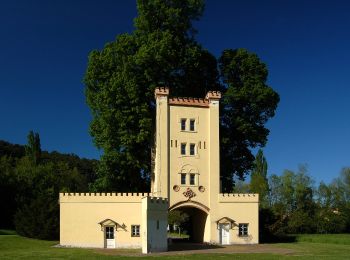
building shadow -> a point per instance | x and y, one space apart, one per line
273 239
177 244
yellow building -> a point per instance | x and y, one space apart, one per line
186 177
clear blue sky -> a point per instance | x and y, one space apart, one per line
44 47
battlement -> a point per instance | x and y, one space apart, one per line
111 197
213 95
155 204
158 200
187 101
161 91
131 194
238 197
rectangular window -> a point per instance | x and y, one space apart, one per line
183 148
192 149
109 232
135 230
192 124
183 124
243 230
192 179
183 179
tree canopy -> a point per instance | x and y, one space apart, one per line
162 51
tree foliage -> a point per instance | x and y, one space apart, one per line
162 51
258 181
33 148
29 187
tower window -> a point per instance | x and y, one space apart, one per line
183 124
192 149
183 148
183 178
192 124
192 179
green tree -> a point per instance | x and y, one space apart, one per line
8 191
178 218
292 200
247 105
33 147
37 214
162 51
258 182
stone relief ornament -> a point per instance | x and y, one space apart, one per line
176 188
201 188
189 193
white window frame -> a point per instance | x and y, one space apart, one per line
135 230
243 229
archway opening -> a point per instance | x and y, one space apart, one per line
192 222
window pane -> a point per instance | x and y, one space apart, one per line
183 124
192 179
183 179
191 125
243 230
135 230
183 149
192 146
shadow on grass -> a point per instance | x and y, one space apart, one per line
279 239
185 245
7 232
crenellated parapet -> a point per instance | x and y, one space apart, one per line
187 101
161 91
238 197
156 203
213 95
111 197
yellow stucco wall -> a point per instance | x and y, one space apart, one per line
80 215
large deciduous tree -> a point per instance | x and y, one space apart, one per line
162 51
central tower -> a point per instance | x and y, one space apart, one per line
187 148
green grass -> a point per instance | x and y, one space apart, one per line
307 247
341 239
177 235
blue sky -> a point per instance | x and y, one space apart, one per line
44 47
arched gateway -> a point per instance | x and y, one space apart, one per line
186 176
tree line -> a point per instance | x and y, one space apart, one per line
291 203
30 182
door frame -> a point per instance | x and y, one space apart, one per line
227 231
109 240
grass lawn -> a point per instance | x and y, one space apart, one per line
306 247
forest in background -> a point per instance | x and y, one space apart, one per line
290 203
30 182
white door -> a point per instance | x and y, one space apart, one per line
109 237
224 234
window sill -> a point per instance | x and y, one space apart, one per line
188 131
190 156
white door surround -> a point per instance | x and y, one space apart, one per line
109 237
224 233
